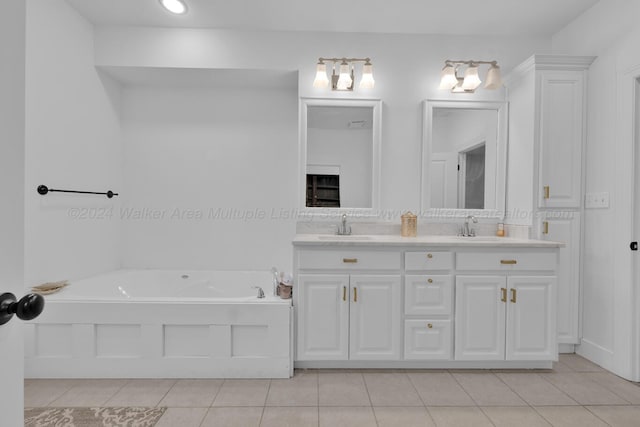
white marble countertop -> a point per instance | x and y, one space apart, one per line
426 240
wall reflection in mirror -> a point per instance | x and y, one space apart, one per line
463 166
340 153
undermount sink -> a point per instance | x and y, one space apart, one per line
344 237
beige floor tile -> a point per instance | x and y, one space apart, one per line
40 393
192 393
391 390
347 417
148 393
561 367
488 390
459 417
581 389
89 393
346 389
242 393
627 390
301 390
414 416
535 390
509 416
183 417
440 389
290 417
233 417
579 363
570 416
618 416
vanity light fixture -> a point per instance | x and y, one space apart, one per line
345 77
449 76
178 7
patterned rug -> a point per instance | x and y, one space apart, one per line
92 417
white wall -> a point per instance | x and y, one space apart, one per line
352 151
72 142
12 122
607 30
219 168
406 68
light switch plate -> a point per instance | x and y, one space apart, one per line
596 200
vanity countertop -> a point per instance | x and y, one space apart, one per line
428 240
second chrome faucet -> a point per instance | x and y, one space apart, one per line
343 228
466 230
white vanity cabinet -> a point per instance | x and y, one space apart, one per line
355 315
503 312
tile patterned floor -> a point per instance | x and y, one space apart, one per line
575 393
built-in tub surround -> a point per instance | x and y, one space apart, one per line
431 301
162 324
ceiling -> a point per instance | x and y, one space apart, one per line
460 17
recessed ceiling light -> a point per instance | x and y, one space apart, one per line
174 6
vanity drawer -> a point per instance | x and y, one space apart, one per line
545 261
348 260
427 339
428 260
428 294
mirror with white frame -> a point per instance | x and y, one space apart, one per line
339 154
464 158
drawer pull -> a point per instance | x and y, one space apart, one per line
344 293
508 261
513 295
429 325
355 294
429 256
546 191
429 280
349 260
545 227
504 294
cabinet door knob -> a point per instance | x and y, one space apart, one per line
350 260
513 294
429 280
429 325
504 294
429 256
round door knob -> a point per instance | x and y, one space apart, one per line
430 280
429 325
28 308
429 256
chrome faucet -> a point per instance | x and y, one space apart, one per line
467 231
260 291
343 228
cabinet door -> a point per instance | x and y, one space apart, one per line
426 339
375 317
480 317
323 317
561 139
531 325
565 227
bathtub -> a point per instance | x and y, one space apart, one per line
162 324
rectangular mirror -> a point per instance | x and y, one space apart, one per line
464 158
340 154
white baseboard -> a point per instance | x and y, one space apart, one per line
596 353
566 348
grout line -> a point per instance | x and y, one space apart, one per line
487 416
462 387
264 404
595 415
605 386
217 393
175 381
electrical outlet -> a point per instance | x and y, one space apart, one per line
596 200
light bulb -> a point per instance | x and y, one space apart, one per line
344 81
174 6
321 79
494 79
448 77
367 81
471 79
